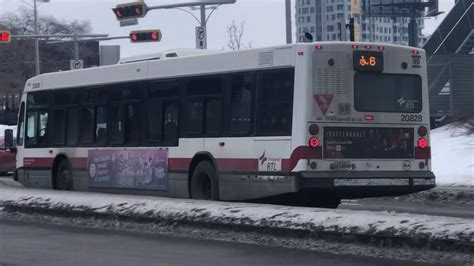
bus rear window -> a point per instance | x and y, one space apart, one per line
396 93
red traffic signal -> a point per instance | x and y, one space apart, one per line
145 36
5 36
130 11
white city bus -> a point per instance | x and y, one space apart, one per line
310 122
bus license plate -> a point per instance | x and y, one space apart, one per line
341 166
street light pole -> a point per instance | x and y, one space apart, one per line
37 62
289 38
37 56
203 23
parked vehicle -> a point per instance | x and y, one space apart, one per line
7 159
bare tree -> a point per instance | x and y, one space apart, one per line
236 33
16 58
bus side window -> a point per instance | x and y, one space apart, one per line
87 125
30 129
204 106
275 102
100 130
132 123
170 122
37 119
116 124
162 112
42 137
195 115
72 126
59 133
242 94
155 118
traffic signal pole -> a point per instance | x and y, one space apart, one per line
201 34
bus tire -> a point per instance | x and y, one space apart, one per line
64 180
204 182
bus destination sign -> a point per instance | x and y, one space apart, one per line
368 61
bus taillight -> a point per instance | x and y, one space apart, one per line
422 143
314 142
313 129
319 47
368 46
355 46
422 131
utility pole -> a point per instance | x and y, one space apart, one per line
35 15
289 38
413 29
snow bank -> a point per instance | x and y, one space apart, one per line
452 156
411 227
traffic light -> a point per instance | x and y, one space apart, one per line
130 11
145 36
5 36
351 29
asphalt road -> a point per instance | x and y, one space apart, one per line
32 244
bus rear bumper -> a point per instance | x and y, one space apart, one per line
362 184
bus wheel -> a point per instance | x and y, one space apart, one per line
64 176
204 182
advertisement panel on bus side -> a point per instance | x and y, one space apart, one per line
139 169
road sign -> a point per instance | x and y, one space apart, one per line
77 64
201 38
129 22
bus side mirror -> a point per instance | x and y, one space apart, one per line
9 143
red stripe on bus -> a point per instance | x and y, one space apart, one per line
223 164
79 163
38 162
179 163
249 165
301 153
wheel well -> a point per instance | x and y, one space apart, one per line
56 163
199 157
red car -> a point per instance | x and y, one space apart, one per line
7 159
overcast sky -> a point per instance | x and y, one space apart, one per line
264 22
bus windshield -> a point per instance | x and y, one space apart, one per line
376 92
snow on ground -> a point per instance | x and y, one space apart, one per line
256 216
452 156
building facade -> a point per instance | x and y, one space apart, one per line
326 20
